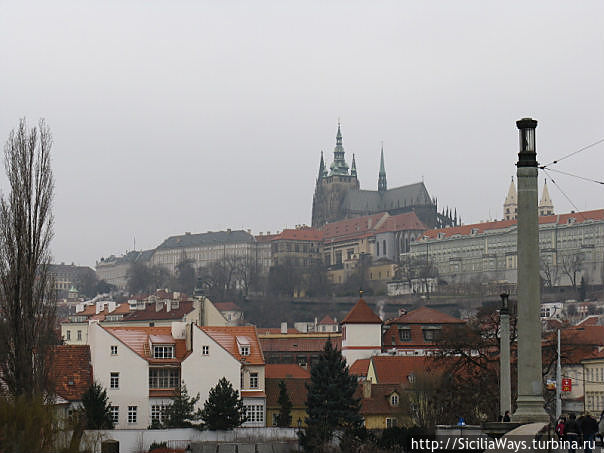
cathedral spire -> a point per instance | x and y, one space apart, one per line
339 165
382 185
510 206
321 167
353 168
546 207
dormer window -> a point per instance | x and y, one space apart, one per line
411 378
244 345
163 352
245 350
394 400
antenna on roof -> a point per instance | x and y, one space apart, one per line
134 240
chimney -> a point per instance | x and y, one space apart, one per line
111 306
284 327
402 312
168 305
80 308
158 305
176 295
99 307
366 389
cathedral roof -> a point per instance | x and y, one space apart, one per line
399 197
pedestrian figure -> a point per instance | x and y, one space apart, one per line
589 426
572 431
560 427
601 427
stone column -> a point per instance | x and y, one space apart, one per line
530 382
505 386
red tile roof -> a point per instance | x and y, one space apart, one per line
397 369
284 371
138 338
227 306
379 401
71 371
425 315
361 314
400 222
298 344
228 338
299 234
360 367
560 219
351 228
276 330
150 313
327 320
90 311
296 390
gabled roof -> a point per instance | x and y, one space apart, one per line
227 306
361 314
285 371
401 222
425 315
327 320
90 311
138 339
71 371
299 234
360 367
229 336
379 402
397 369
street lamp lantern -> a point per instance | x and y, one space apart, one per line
527 157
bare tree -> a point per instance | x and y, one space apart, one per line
27 300
549 271
572 265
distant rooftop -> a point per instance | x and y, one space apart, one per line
205 239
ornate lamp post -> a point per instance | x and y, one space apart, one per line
530 381
505 388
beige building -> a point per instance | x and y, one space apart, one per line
593 369
114 269
571 245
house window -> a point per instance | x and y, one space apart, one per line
275 419
163 378
384 247
390 422
405 334
255 412
132 414
245 350
79 335
254 380
411 377
158 411
113 350
114 381
115 414
377 248
394 399
205 350
431 334
163 352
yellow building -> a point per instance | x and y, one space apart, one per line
295 377
383 405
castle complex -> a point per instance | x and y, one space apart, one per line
338 195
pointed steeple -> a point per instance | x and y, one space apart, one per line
339 165
546 207
510 206
322 170
353 168
382 185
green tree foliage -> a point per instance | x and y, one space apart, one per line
285 407
186 278
224 408
181 413
143 279
27 424
330 403
96 408
27 301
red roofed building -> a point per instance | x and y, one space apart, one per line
488 250
361 333
71 374
416 332
294 347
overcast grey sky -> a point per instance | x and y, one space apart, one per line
174 116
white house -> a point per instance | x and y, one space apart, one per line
361 333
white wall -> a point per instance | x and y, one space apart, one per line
361 341
133 376
200 373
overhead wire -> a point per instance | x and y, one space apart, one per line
591 145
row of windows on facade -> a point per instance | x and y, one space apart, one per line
132 414
429 335
68 335
595 374
594 401
165 378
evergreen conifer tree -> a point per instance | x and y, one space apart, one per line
181 413
224 408
285 404
96 408
330 402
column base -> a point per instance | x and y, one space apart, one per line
530 410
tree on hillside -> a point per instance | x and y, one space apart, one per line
144 279
285 407
186 277
223 410
181 413
572 265
27 299
330 402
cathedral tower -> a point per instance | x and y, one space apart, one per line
382 185
510 205
546 207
